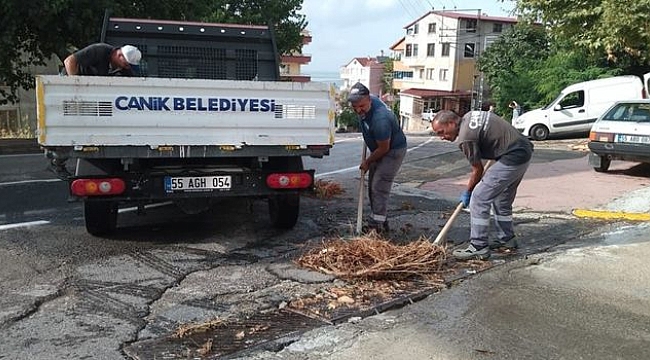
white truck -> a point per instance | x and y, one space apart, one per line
160 137
578 106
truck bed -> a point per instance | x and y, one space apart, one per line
99 112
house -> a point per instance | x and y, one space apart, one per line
438 55
291 64
367 70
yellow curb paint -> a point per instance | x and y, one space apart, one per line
611 215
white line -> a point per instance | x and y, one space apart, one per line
150 206
19 155
25 224
357 168
29 182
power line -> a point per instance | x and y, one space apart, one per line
408 11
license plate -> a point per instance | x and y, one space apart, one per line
638 139
197 183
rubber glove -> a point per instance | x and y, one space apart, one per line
464 198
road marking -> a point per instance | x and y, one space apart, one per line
25 224
611 215
357 168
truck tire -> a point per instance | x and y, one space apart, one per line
284 210
604 164
539 132
100 217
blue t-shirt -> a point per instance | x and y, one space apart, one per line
380 124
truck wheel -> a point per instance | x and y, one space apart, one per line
539 132
101 217
284 210
604 164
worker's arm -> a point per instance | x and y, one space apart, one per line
475 176
71 65
383 147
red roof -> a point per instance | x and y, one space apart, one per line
426 93
458 15
397 43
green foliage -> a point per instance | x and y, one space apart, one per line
33 32
347 117
525 65
387 77
614 30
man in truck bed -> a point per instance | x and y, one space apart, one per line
99 59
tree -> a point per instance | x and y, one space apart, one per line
525 65
616 30
506 64
34 32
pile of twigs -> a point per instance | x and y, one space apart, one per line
327 189
369 257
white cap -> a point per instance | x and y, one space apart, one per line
131 54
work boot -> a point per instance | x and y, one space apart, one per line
472 252
376 226
510 244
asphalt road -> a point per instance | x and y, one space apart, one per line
68 295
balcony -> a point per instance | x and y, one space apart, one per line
296 59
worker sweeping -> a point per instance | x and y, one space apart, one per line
483 135
387 144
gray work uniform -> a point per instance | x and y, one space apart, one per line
380 124
486 136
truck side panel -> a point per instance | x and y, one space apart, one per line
117 111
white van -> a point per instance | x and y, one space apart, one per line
578 106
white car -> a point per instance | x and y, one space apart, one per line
621 133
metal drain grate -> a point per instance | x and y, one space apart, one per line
263 331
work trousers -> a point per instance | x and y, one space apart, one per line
496 191
380 181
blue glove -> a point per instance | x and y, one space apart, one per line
464 198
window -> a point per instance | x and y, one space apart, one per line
469 50
431 74
443 75
415 50
470 25
431 50
432 28
497 27
446 47
399 75
573 100
421 73
413 30
409 50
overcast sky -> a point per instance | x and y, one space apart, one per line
344 29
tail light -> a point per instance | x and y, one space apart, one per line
97 187
601 136
289 180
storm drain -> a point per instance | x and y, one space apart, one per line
224 339
271 331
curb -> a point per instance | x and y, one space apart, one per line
611 215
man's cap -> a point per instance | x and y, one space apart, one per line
357 92
131 54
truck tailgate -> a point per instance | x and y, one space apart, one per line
119 111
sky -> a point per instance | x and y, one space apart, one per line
344 29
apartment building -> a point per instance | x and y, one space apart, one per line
291 64
367 70
438 56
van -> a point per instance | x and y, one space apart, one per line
578 106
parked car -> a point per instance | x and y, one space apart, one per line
621 133
577 106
